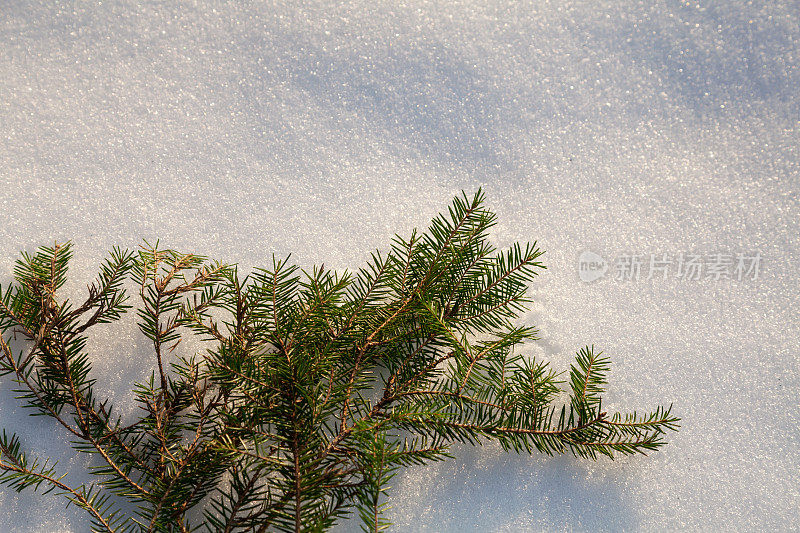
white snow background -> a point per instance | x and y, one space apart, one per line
243 129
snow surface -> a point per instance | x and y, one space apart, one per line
240 129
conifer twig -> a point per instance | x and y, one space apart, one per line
311 388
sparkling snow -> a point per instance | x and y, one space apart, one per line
239 130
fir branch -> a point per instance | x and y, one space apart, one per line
19 474
291 416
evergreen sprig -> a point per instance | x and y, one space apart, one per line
314 387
